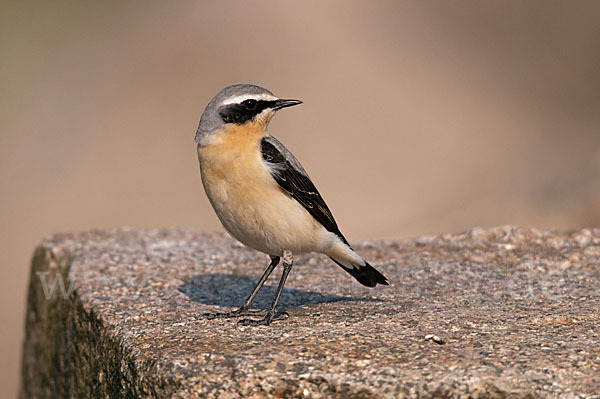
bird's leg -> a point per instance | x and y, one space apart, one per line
244 309
288 261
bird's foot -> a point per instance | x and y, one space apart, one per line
235 313
267 320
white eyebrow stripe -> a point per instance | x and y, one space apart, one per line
239 99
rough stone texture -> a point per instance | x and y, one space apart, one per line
518 311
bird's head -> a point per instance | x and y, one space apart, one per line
239 105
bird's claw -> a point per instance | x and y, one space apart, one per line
267 320
235 313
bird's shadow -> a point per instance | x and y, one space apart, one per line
229 290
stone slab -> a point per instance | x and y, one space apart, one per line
516 311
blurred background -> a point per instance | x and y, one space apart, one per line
441 116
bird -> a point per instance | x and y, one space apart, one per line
262 195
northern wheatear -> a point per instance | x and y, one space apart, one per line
262 195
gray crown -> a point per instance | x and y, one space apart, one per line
211 120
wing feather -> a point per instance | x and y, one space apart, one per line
293 179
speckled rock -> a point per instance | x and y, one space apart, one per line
491 313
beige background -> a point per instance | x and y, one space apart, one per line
419 117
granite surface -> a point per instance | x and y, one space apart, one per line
499 312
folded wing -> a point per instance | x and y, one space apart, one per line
290 175
292 178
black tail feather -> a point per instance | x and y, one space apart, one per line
367 275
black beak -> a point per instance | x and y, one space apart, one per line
285 103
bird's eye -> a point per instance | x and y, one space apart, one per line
250 104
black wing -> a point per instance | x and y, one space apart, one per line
292 178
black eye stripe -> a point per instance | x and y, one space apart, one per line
250 104
244 111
